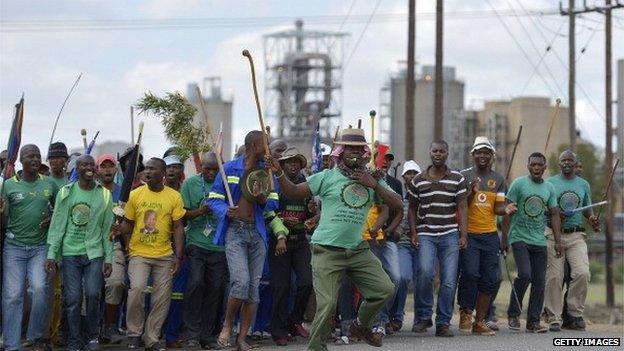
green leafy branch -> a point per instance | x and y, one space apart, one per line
176 115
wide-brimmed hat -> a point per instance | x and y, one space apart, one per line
57 149
352 136
482 142
293 152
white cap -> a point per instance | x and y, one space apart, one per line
172 160
482 142
326 149
410 165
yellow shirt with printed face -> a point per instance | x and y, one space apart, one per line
481 216
153 214
371 219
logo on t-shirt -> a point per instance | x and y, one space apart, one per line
491 183
17 197
355 195
482 197
534 206
80 214
569 200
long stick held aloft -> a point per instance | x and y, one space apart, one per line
247 54
265 139
513 155
62 106
552 122
213 146
608 188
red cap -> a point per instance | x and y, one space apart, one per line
106 157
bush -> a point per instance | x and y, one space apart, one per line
596 269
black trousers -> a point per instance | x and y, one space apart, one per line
296 259
531 263
205 291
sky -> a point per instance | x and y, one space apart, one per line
119 66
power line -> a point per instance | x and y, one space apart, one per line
359 39
65 25
548 49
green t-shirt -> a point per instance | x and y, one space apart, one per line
27 204
60 182
79 214
345 205
532 199
571 194
201 230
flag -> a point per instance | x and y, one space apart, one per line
15 139
317 152
74 174
380 154
129 174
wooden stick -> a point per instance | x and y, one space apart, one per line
247 54
553 118
202 107
131 125
375 151
513 154
608 188
63 106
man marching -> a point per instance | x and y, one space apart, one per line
571 192
530 197
480 262
347 191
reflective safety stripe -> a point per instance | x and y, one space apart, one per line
177 296
273 196
233 179
215 196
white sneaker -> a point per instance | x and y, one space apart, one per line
380 330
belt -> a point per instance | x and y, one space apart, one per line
572 230
333 248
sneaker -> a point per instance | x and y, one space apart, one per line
535 328
381 330
422 326
343 340
93 345
41 345
373 339
554 327
159 346
281 342
492 325
396 325
133 342
190 344
514 323
465 321
299 330
389 329
443 331
110 335
578 323
480 328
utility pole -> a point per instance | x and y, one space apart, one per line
572 75
439 78
609 157
410 81
608 129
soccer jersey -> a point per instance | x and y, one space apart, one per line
491 188
571 194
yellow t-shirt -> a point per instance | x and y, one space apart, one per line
153 214
371 219
481 216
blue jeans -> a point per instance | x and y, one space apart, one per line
388 254
479 269
444 248
81 274
245 252
408 262
21 263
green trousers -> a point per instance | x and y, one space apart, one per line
328 267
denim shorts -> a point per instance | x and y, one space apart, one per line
245 251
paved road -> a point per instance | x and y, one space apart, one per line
504 340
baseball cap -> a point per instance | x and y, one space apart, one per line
410 165
172 160
105 157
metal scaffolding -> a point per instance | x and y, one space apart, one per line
303 81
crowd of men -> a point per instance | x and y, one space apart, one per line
220 259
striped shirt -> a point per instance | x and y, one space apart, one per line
437 201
